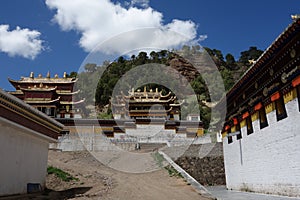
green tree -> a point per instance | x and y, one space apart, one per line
252 53
72 75
155 57
218 54
90 67
141 59
227 78
230 62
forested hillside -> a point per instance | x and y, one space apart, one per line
230 69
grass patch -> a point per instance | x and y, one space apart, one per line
173 172
61 174
159 159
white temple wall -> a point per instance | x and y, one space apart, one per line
23 158
268 160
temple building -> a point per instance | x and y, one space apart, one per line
261 132
146 104
25 135
53 96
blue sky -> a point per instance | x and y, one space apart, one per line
56 36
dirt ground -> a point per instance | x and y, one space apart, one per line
97 181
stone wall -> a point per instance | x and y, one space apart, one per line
204 162
268 160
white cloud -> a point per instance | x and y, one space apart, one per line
142 3
202 37
20 42
100 20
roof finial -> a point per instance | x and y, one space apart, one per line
145 89
295 17
65 74
48 75
31 75
252 61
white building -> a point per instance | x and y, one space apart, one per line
193 117
261 133
25 135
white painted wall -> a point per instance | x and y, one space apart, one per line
153 133
23 158
268 160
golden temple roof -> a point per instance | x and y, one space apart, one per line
40 101
16 92
72 102
41 79
146 94
66 92
42 89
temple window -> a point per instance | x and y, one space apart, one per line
263 122
48 111
236 128
279 106
229 137
43 109
248 122
249 125
296 84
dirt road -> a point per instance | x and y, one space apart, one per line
97 181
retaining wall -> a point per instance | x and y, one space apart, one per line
204 162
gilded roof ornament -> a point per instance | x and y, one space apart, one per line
252 61
295 17
48 74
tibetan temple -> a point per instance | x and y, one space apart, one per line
53 96
270 83
261 129
146 104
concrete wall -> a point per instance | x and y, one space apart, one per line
268 160
23 158
91 142
86 138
